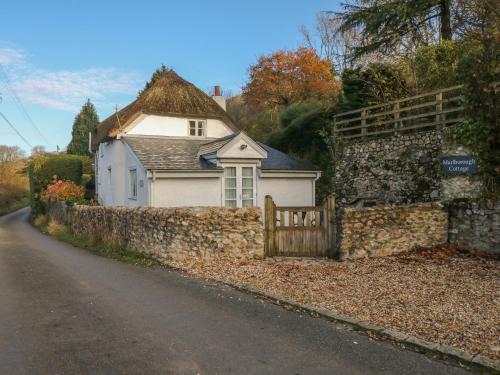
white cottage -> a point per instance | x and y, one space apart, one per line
175 146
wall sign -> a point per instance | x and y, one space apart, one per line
459 165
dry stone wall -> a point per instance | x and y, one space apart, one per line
475 225
368 232
400 169
173 233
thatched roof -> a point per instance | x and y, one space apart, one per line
169 96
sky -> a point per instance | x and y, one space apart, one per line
54 55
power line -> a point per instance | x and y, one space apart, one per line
14 128
20 103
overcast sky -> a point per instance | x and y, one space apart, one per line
56 54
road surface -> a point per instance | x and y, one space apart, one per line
64 310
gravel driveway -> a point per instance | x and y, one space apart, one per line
444 295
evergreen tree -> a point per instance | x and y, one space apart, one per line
85 122
158 74
386 25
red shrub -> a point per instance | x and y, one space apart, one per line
61 190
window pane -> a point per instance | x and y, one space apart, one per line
192 124
247 203
230 193
230 172
231 203
192 131
133 183
200 132
247 172
230 183
248 183
247 194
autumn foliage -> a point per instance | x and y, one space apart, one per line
287 77
61 190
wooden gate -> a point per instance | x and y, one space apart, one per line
300 231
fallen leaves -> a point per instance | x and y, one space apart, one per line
443 295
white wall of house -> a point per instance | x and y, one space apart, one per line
114 162
174 127
186 192
287 191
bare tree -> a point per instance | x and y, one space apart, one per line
38 150
332 43
10 153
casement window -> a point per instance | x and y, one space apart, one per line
230 187
133 183
239 186
247 187
197 128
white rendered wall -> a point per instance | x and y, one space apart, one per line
286 191
174 127
235 151
186 192
113 187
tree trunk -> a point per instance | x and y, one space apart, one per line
445 19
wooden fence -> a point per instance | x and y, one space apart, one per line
300 231
431 110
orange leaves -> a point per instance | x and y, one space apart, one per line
287 77
61 190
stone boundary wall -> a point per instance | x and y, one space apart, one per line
399 169
475 225
368 232
170 233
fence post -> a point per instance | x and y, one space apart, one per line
439 109
331 229
397 123
270 225
363 123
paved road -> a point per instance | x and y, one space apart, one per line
64 310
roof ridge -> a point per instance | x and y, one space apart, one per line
172 96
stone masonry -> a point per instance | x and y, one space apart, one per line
173 233
476 225
400 169
368 232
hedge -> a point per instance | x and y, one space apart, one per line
43 169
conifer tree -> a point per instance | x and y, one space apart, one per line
85 122
158 74
388 24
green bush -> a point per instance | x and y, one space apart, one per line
11 198
305 138
373 84
436 66
42 170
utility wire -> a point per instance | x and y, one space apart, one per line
14 128
20 104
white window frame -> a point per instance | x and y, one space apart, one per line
239 184
199 125
132 186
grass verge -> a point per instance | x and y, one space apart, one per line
63 233
14 206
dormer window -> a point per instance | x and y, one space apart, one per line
197 128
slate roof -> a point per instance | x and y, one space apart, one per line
214 146
277 160
164 153
169 96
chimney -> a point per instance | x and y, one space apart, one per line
219 99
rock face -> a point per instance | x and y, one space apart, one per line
475 225
401 169
173 233
368 232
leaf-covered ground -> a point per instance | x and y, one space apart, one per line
444 295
